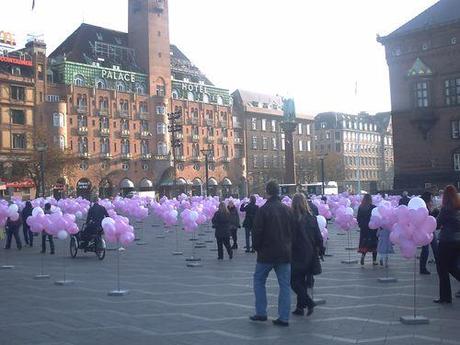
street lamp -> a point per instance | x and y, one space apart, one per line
322 172
42 147
206 153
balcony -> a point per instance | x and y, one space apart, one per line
194 121
103 112
223 124
106 156
161 157
179 136
143 115
238 141
146 134
81 109
82 130
210 139
195 138
224 140
226 159
180 158
126 156
211 159
209 122
83 155
104 132
237 124
124 114
146 156
124 133
197 159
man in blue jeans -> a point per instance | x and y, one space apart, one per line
272 233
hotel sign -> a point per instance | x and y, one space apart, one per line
194 87
15 61
118 75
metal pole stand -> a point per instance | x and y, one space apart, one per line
7 265
200 244
414 319
327 254
349 261
118 292
42 275
193 261
209 231
387 279
161 235
141 241
65 281
136 233
177 251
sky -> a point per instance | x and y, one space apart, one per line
315 51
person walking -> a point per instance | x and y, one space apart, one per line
307 245
45 236
28 235
384 246
449 243
250 210
12 230
272 234
367 237
234 223
404 199
221 222
428 198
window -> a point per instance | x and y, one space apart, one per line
254 161
452 91
100 84
161 90
84 165
254 124
299 129
19 141
283 142
338 147
421 94
18 117
273 125
17 93
121 86
79 80
52 98
309 145
140 89
455 129
161 128
337 136
308 129
16 71
40 71
301 147
264 124
61 142
205 98
265 143
220 100
125 166
254 143
274 144
162 149
160 110
58 120
265 162
175 94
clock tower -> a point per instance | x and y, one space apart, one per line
148 35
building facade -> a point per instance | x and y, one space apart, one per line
108 98
356 149
260 142
424 69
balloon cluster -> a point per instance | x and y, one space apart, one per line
345 219
55 224
117 229
322 223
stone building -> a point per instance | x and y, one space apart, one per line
424 68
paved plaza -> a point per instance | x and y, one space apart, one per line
169 303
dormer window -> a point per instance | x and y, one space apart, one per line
79 80
453 40
118 40
99 36
16 71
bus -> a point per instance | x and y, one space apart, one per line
310 188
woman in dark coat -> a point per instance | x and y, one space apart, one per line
449 243
368 239
221 222
234 223
28 235
250 210
307 245
12 230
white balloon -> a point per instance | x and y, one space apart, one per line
416 203
62 235
321 222
13 208
79 215
349 211
107 220
37 211
375 212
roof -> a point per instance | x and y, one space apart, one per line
444 12
248 97
181 64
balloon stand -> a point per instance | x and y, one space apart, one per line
7 265
209 231
161 235
414 319
387 279
177 251
118 292
139 226
64 281
42 274
349 261
193 260
136 238
327 254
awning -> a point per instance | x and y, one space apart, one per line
212 182
146 183
126 184
181 182
226 182
21 184
197 182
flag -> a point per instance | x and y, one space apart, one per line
33 4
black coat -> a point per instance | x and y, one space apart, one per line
272 233
368 239
96 214
251 210
307 242
234 218
313 208
449 223
221 222
404 201
26 213
12 225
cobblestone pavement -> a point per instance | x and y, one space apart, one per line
170 303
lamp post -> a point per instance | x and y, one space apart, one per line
42 147
322 172
206 153
174 128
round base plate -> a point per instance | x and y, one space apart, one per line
118 293
64 282
42 276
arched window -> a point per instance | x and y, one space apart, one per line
175 94
161 88
121 86
144 147
83 145
162 149
140 88
205 98
190 96
125 146
125 125
61 142
220 100
79 80
161 128
105 145
100 84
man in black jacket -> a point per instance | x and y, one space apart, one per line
404 199
250 210
96 214
272 236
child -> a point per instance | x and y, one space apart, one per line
384 246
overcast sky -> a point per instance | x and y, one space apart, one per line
312 50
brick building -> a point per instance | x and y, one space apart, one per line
424 70
107 99
356 148
260 141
